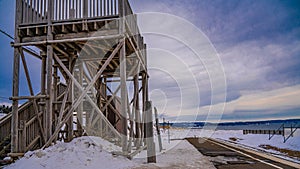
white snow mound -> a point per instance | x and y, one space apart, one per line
83 152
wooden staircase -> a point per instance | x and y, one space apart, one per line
29 129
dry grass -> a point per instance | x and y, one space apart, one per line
291 153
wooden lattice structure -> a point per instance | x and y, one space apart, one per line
90 52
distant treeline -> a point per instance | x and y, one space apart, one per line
267 124
5 109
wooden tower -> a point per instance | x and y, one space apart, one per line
90 52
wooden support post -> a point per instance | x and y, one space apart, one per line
158 129
151 156
122 17
136 105
15 92
123 97
48 111
80 107
15 103
103 129
55 81
69 101
105 98
131 122
144 100
43 88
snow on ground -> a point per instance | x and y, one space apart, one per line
94 152
183 155
84 152
175 154
254 140
249 140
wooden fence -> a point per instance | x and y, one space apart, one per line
275 132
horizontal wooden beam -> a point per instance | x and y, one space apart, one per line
14 155
118 36
29 97
118 80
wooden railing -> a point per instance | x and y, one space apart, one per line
25 114
270 132
36 11
29 132
77 9
5 125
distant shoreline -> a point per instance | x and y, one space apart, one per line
264 125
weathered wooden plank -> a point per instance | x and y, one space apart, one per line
62 39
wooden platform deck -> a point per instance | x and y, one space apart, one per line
90 28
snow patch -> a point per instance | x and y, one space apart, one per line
83 152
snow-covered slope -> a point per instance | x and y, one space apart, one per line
84 152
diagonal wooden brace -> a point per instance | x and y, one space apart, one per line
84 92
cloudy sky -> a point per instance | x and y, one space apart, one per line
241 54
